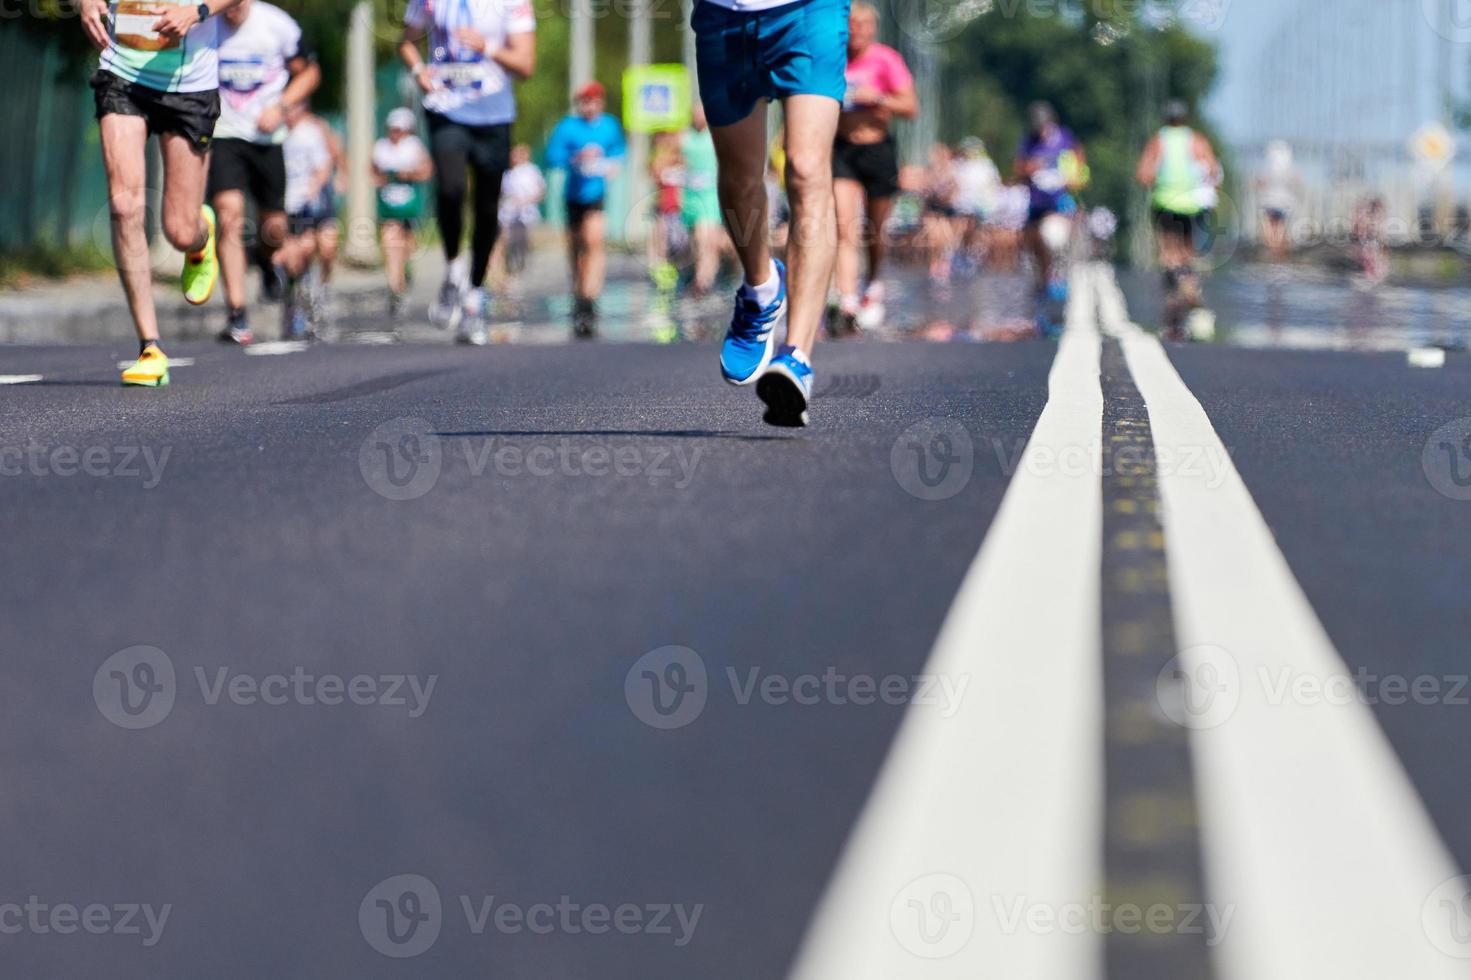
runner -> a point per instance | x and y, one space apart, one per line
263 69
941 192
401 166
1053 164
522 190
311 220
476 48
752 51
1278 190
866 162
977 193
701 201
159 74
589 146
667 238
1180 168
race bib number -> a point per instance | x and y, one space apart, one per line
397 195
468 76
242 76
1049 181
132 25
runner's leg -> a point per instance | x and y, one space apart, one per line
124 139
741 149
230 212
848 200
594 256
879 209
812 125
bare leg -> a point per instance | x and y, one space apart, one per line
327 239
848 198
230 212
812 125
708 246
879 209
741 149
123 141
594 256
395 255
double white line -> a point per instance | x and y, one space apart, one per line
1314 837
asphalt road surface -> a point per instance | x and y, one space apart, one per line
553 661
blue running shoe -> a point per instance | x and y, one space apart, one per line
786 387
752 334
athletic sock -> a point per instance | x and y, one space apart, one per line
144 345
766 293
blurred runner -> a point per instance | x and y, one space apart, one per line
1051 161
1278 190
1180 168
310 218
523 188
668 237
700 204
751 52
1368 238
159 74
940 194
476 48
264 68
866 162
401 167
589 145
977 192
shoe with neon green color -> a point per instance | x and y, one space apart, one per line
151 370
202 268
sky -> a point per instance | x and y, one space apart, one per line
1375 70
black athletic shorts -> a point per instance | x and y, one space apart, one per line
486 149
190 114
1174 223
576 211
258 169
874 165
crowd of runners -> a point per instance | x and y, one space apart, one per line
806 222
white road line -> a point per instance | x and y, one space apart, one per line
998 807
174 362
276 347
1311 828
19 379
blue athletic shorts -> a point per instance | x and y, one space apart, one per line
797 49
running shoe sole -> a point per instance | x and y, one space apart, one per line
786 402
159 383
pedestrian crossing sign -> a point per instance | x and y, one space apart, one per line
656 98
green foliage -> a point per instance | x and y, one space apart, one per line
1107 77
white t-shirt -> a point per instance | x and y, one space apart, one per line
745 6
188 65
978 183
306 152
407 154
476 91
253 71
522 188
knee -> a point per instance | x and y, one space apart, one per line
182 230
739 182
273 231
127 207
809 176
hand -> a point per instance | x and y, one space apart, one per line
427 82
866 96
177 22
470 38
270 119
94 22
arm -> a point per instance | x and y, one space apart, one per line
306 75
408 52
1149 163
180 20
421 173
904 103
1206 154
518 56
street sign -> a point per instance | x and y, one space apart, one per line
656 98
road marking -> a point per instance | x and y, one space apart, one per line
19 379
174 362
274 348
1312 830
1001 803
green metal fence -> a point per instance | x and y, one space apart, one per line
54 185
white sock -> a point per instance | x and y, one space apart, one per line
764 294
458 272
473 299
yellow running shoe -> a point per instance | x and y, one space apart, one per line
202 268
151 370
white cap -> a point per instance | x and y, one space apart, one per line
403 118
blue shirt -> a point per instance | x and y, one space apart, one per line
585 150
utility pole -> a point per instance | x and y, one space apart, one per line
361 207
640 52
581 65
